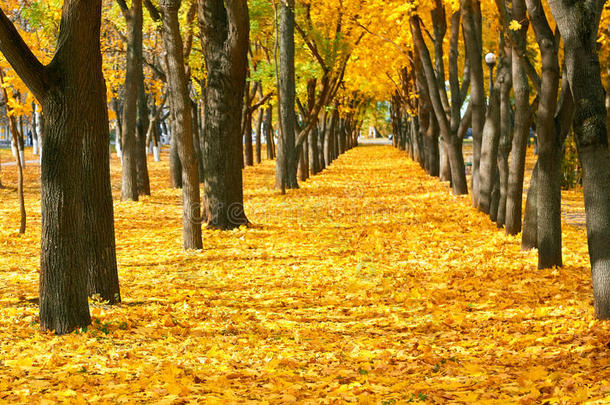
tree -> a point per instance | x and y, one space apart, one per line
134 18
224 29
287 155
182 117
578 23
75 163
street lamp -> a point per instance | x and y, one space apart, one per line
490 60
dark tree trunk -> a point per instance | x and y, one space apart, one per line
529 236
287 159
470 15
321 141
504 144
314 158
268 125
514 200
488 164
129 184
578 24
259 135
197 141
143 180
75 173
182 114
175 167
549 150
224 30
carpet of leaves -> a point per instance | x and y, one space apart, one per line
369 284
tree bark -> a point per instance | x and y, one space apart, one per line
259 135
470 11
514 199
224 28
182 114
75 174
578 23
549 150
288 168
134 18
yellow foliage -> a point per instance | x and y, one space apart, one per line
370 284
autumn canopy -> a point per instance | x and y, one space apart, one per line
304 201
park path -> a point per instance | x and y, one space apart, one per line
370 284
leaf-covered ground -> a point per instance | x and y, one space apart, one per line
370 284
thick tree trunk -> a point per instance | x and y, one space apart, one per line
578 25
76 199
224 28
182 114
288 168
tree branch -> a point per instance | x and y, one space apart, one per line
21 58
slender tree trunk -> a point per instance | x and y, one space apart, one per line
470 11
18 157
321 141
529 236
488 165
259 135
269 132
175 167
181 110
129 184
142 128
549 150
504 144
514 199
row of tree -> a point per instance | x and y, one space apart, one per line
559 95
210 122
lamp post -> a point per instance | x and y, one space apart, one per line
490 60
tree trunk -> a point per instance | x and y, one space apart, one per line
224 28
314 162
287 90
129 183
514 199
76 200
182 114
175 167
549 150
259 135
504 145
578 24
142 128
488 163
321 141
268 124
477 88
